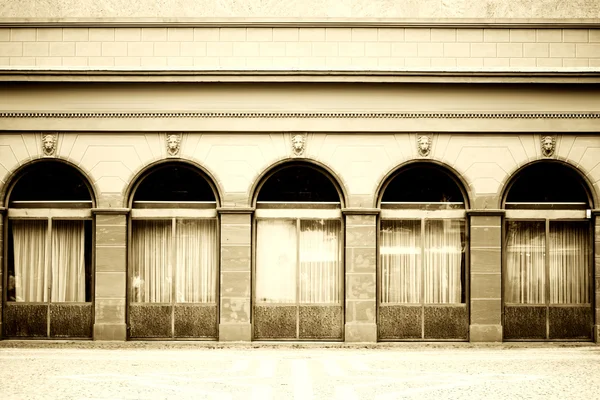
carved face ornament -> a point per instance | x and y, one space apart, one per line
48 143
298 144
424 145
173 144
548 146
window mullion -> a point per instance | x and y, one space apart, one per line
173 274
298 278
547 280
422 267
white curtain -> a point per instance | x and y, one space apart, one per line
443 266
152 261
196 248
569 263
525 262
400 255
276 254
30 260
320 264
68 261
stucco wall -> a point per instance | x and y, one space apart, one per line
484 162
306 8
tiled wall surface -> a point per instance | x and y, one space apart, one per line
299 48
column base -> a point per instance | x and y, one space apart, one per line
235 332
110 332
596 334
485 333
362 333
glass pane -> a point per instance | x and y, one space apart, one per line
400 256
27 276
569 263
444 262
196 248
320 264
276 253
525 255
68 261
151 262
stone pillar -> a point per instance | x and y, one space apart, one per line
486 276
361 278
597 276
111 274
236 269
2 244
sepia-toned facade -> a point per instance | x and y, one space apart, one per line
355 171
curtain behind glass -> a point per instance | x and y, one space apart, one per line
151 258
196 248
68 261
569 263
320 266
525 256
29 246
276 252
443 267
400 255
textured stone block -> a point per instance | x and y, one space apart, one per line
142 49
75 34
522 35
570 323
338 34
524 322
360 333
154 34
549 35
485 333
285 34
362 311
443 35
417 34
88 49
360 236
109 311
9 49
235 234
446 322
102 34
235 332
195 321
483 49
180 34
259 34
400 322
484 286
405 49
112 235
360 286
71 321
535 50
457 50
206 34
486 260
275 322
430 50
235 283
509 50
113 49
496 35
36 49
575 35
235 258
23 34
361 259
469 35
25 320
588 50
150 321
320 322
486 236
128 34
232 34
111 259
110 332
235 310
110 284
390 34
486 312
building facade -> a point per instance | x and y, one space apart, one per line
317 175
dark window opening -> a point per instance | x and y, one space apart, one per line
174 184
547 183
423 184
299 184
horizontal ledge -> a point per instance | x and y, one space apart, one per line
361 211
486 213
304 22
299 115
581 75
111 211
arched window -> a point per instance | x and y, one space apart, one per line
422 263
49 287
173 255
547 255
299 268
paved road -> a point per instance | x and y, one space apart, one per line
397 372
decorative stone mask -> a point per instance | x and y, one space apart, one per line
298 144
173 143
424 145
49 143
548 146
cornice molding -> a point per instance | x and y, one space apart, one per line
304 115
237 22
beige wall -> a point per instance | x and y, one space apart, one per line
300 48
360 161
306 8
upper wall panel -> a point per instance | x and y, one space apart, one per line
301 9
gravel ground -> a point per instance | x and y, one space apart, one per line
160 370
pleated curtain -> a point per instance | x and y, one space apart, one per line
68 261
569 263
400 253
196 248
30 260
320 264
525 262
443 262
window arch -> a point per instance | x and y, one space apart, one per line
422 257
547 254
49 289
298 256
173 254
